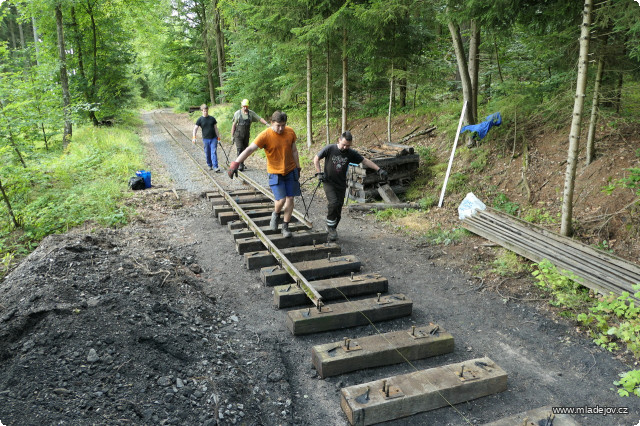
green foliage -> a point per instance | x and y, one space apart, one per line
84 183
615 320
507 264
388 215
562 286
630 383
428 156
535 215
604 246
501 202
457 182
480 159
439 235
428 201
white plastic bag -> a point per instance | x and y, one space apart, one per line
469 205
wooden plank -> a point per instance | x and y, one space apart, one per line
252 206
260 259
247 233
311 270
568 255
304 238
243 200
602 278
331 359
526 250
568 245
289 295
348 314
536 417
364 207
403 149
224 218
422 391
387 194
214 195
260 221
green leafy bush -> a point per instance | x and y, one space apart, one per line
564 290
630 383
501 202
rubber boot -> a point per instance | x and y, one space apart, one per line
275 218
285 230
332 233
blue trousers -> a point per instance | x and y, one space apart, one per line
211 152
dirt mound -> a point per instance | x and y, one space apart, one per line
116 327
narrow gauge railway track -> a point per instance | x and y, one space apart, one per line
304 270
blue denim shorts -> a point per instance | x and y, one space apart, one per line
285 185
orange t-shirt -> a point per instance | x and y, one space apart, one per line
280 159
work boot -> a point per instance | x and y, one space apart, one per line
332 234
285 230
275 218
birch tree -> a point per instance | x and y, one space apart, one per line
566 228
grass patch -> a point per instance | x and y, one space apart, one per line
509 264
437 236
388 215
62 190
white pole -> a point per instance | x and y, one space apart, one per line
453 151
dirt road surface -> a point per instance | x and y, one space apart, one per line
160 323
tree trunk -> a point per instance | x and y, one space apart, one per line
12 140
78 48
219 35
12 32
462 69
495 45
595 105
390 105
574 136
474 66
35 40
64 79
345 91
8 203
94 46
21 34
309 98
402 87
207 53
326 94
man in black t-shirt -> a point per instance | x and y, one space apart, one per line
336 161
210 137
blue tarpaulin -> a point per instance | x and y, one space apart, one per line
481 129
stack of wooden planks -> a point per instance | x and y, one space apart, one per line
400 162
593 268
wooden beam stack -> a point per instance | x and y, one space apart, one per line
400 162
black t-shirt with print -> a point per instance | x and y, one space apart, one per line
336 163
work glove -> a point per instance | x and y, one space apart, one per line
233 169
321 177
193 140
383 174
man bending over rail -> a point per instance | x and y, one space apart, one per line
336 161
283 166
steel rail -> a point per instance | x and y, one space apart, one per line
285 263
298 215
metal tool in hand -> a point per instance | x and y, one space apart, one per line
307 207
225 152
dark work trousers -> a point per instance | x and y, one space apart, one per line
241 135
335 200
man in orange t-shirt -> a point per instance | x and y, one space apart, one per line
283 166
